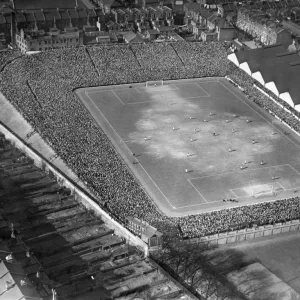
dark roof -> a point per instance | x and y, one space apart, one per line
137 39
29 17
64 15
275 64
92 13
49 16
2 19
20 18
269 68
73 13
8 18
39 16
56 14
82 13
153 31
99 13
255 57
107 2
46 4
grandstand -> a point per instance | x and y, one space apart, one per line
41 87
274 68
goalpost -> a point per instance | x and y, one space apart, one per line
265 190
154 83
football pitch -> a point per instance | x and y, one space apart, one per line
193 143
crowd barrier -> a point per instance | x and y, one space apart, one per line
246 234
79 194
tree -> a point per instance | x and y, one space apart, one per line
201 267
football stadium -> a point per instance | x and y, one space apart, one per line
194 144
158 133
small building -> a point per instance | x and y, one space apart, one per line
207 36
103 37
152 34
225 30
150 235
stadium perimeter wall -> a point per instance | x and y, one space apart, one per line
246 234
54 172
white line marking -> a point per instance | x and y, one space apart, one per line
203 90
105 90
129 150
231 190
219 174
159 88
132 103
192 205
294 169
259 114
118 97
197 191
152 180
281 185
128 141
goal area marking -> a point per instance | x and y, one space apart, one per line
154 83
258 190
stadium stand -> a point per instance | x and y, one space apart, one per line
41 88
275 68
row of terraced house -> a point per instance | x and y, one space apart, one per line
207 24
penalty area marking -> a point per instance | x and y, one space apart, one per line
165 98
239 171
118 97
208 95
203 96
130 151
197 191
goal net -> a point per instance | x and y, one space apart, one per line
154 83
265 190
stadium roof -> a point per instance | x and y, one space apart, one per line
275 68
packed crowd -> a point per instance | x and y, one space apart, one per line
41 87
7 56
237 217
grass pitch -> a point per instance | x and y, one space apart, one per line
193 143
